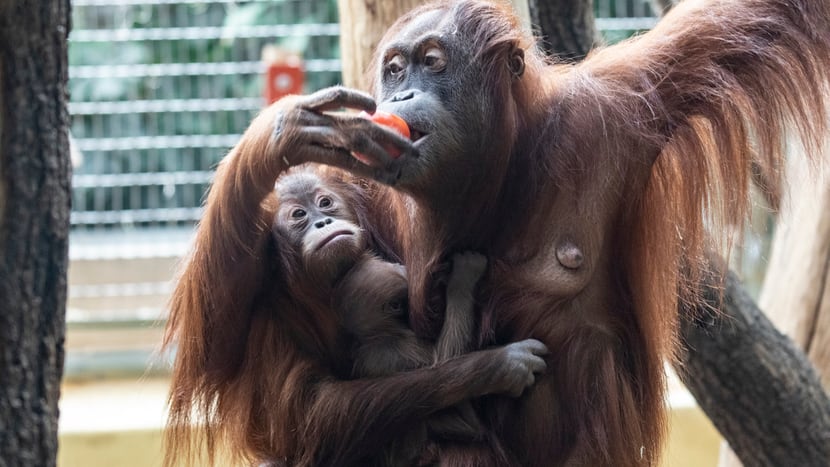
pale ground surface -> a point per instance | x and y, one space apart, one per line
118 423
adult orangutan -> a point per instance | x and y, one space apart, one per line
586 186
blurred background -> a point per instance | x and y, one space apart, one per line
160 90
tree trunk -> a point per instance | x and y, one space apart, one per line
34 225
755 385
796 291
566 28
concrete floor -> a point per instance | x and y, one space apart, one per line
119 423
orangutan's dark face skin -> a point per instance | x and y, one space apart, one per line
319 224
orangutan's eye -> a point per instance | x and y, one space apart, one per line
396 65
298 213
396 307
435 59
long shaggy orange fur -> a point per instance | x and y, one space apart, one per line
632 154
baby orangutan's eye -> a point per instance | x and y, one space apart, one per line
298 213
396 307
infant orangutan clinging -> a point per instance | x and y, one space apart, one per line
317 224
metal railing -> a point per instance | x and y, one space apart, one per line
161 89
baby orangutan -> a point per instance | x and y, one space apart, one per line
372 301
370 297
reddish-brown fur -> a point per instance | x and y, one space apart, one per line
367 296
262 365
248 350
625 156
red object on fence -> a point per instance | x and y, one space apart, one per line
284 74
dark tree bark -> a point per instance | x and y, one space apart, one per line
566 28
34 225
756 386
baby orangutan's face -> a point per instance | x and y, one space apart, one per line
319 224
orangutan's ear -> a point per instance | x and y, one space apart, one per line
516 61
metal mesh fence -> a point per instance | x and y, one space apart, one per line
160 90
